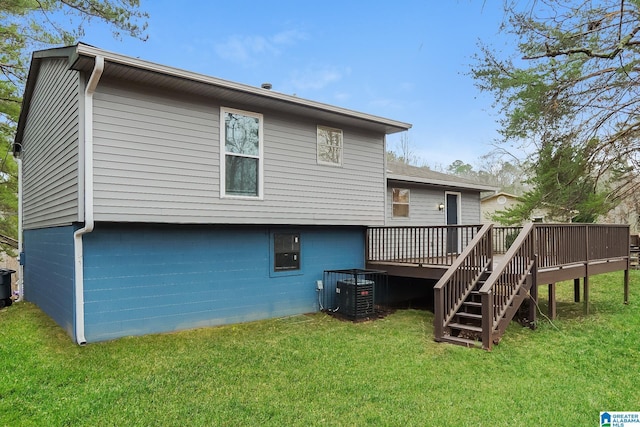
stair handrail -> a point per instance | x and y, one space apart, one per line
505 282
460 278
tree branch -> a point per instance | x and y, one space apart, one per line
588 52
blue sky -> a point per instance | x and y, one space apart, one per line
405 60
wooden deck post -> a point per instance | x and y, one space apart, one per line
586 272
438 315
533 295
487 321
367 240
586 294
626 286
576 290
552 301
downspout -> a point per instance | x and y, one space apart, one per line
90 89
18 160
386 183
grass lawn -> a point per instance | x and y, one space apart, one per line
315 370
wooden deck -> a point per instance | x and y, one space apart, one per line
419 269
420 252
434 268
504 265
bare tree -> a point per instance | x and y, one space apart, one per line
574 93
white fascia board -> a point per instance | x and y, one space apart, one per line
86 50
440 182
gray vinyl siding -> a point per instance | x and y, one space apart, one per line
423 206
50 148
471 208
157 159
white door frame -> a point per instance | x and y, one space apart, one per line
459 206
458 214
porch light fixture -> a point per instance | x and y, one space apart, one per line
441 206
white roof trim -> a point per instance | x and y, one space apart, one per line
86 50
440 182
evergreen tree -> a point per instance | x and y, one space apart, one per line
574 94
27 25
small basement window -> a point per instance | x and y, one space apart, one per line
286 248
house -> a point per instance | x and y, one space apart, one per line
420 196
500 201
627 212
156 199
421 203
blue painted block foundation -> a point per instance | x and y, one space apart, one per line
49 273
142 279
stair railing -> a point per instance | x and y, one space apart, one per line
458 281
504 284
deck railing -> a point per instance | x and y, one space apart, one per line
458 281
566 244
432 245
539 247
503 237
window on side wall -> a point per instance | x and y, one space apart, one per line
329 146
286 248
400 203
241 143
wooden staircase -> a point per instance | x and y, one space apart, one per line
475 303
465 327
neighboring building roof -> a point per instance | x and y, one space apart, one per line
496 195
82 57
398 171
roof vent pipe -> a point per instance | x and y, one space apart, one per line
266 86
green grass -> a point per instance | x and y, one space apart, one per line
315 370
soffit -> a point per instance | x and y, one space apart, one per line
172 79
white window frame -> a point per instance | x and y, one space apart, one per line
223 154
393 203
318 145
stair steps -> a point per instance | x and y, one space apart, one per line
465 327
466 342
463 323
469 315
472 304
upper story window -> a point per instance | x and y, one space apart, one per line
400 202
329 146
241 165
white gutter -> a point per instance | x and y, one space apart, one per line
20 243
442 182
90 89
